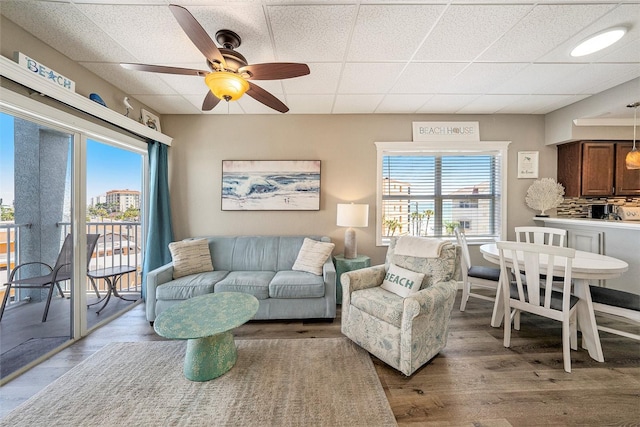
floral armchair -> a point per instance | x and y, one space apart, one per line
406 332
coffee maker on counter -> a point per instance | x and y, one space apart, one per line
603 211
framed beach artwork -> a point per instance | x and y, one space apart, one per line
270 185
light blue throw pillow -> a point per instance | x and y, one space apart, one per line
401 281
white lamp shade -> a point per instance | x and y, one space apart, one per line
353 215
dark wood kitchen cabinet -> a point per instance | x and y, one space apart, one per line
596 168
627 180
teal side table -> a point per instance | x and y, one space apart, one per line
343 265
206 322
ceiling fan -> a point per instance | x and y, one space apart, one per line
230 74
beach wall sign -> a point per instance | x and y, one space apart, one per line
46 73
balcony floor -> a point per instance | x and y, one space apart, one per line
24 322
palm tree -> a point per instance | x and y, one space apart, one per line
392 225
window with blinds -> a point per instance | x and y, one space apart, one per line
429 193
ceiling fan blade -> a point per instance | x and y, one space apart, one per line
275 70
197 34
164 69
210 101
261 95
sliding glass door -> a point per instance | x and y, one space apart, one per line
60 184
35 192
114 196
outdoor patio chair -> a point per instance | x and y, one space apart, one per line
61 271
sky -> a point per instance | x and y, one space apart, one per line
108 167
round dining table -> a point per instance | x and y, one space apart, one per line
587 266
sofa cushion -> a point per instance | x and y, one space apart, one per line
312 256
401 281
296 284
190 257
190 286
255 283
380 304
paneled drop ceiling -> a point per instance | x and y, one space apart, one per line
400 57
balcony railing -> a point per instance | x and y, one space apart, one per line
120 243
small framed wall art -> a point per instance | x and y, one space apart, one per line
527 164
270 185
150 120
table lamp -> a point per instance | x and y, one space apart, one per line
352 215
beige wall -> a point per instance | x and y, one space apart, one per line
344 144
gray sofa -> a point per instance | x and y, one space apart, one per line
258 265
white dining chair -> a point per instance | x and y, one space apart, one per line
475 275
541 235
618 305
537 295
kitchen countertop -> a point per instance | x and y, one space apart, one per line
590 222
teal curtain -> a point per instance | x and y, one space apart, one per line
160 232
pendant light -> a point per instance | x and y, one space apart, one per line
632 160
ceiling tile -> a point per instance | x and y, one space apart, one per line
475 27
311 33
628 52
591 78
366 104
535 77
562 102
310 104
624 15
446 103
150 33
251 106
169 104
481 77
489 104
405 103
528 103
131 82
377 35
245 19
323 78
421 77
65 28
369 77
543 29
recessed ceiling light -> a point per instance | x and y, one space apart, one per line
599 41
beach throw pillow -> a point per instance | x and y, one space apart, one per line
190 257
401 281
312 256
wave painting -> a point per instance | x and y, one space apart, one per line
270 185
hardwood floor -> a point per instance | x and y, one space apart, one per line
474 381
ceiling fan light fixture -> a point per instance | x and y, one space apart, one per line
226 85
598 41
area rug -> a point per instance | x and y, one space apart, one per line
26 352
294 382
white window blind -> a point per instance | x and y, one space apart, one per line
431 191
